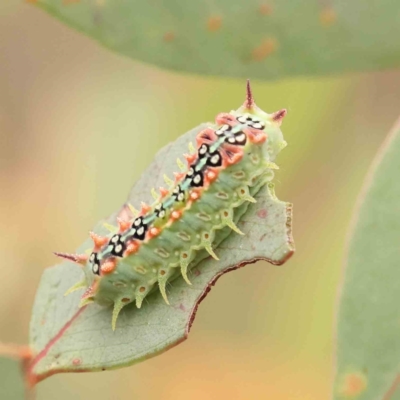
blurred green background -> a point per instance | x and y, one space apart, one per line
78 125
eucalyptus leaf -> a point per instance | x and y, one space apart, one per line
65 338
245 38
368 350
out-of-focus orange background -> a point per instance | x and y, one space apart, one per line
78 125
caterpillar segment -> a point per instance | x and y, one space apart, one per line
202 205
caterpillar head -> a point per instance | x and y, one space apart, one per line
257 124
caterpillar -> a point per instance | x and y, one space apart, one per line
232 160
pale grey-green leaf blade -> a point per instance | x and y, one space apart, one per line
246 38
368 349
67 340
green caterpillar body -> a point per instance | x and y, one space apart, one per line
232 161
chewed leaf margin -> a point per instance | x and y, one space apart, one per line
50 360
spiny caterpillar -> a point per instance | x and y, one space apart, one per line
231 162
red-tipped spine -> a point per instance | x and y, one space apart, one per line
145 208
178 176
249 103
77 258
99 241
90 291
123 224
278 116
163 192
190 158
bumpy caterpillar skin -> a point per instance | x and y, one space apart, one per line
230 163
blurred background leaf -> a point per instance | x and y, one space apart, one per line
266 39
12 385
369 324
79 124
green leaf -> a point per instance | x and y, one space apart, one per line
246 38
369 315
64 338
12 386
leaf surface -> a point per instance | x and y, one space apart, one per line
66 339
245 38
368 358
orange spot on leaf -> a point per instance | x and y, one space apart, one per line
169 36
265 9
266 48
352 385
214 23
327 17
